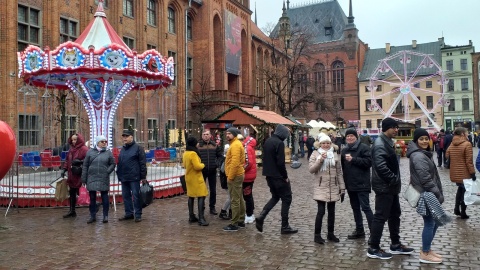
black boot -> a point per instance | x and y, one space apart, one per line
223 215
458 200
356 234
191 215
71 211
288 230
463 213
318 239
332 237
331 223
201 212
259 220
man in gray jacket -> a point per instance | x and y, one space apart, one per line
386 183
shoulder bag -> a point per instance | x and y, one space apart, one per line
411 195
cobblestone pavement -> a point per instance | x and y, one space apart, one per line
42 239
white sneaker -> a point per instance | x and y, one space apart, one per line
249 219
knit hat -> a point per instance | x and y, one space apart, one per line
388 123
322 137
234 131
419 132
192 141
351 131
282 131
100 138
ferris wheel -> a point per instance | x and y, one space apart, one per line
408 73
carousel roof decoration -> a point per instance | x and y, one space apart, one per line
99 68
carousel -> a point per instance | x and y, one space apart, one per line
100 70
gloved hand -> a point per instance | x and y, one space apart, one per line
63 173
473 177
342 197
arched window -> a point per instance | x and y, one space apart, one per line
171 20
152 12
189 28
338 78
319 78
301 80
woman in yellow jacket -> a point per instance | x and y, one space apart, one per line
196 187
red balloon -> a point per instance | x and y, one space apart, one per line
9 148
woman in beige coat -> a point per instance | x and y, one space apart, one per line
329 186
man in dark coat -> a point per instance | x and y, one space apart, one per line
309 143
131 169
447 142
210 153
440 147
386 183
356 162
274 170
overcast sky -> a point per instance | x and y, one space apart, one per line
398 21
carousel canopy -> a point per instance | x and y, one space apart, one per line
98 53
98 68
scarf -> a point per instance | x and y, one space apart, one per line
329 161
428 205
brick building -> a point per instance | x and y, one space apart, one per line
336 58
196 33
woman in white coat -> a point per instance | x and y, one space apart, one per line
329 186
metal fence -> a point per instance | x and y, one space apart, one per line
28 185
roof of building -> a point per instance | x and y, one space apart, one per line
373 56
317 17
249 116
256 32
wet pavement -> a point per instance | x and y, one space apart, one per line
42 239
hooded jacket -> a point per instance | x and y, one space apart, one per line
235 160
196 186
460 154
357 171
423 172
250 159
273 160
97 167
76 152
385 168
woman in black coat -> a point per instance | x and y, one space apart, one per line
97 167
424 178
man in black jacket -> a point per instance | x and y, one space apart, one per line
386 183
309 143
274 170
209 154
131 169
356 162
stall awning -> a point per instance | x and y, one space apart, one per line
248 116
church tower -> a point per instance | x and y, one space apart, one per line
284 31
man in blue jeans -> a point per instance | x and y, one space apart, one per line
131 169
387 184
356 163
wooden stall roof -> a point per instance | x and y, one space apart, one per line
248 116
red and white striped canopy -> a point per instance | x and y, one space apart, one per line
99 33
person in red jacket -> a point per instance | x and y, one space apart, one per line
75 157
250 166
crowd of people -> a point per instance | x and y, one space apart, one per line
356 167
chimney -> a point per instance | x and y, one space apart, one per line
387 48
414 44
